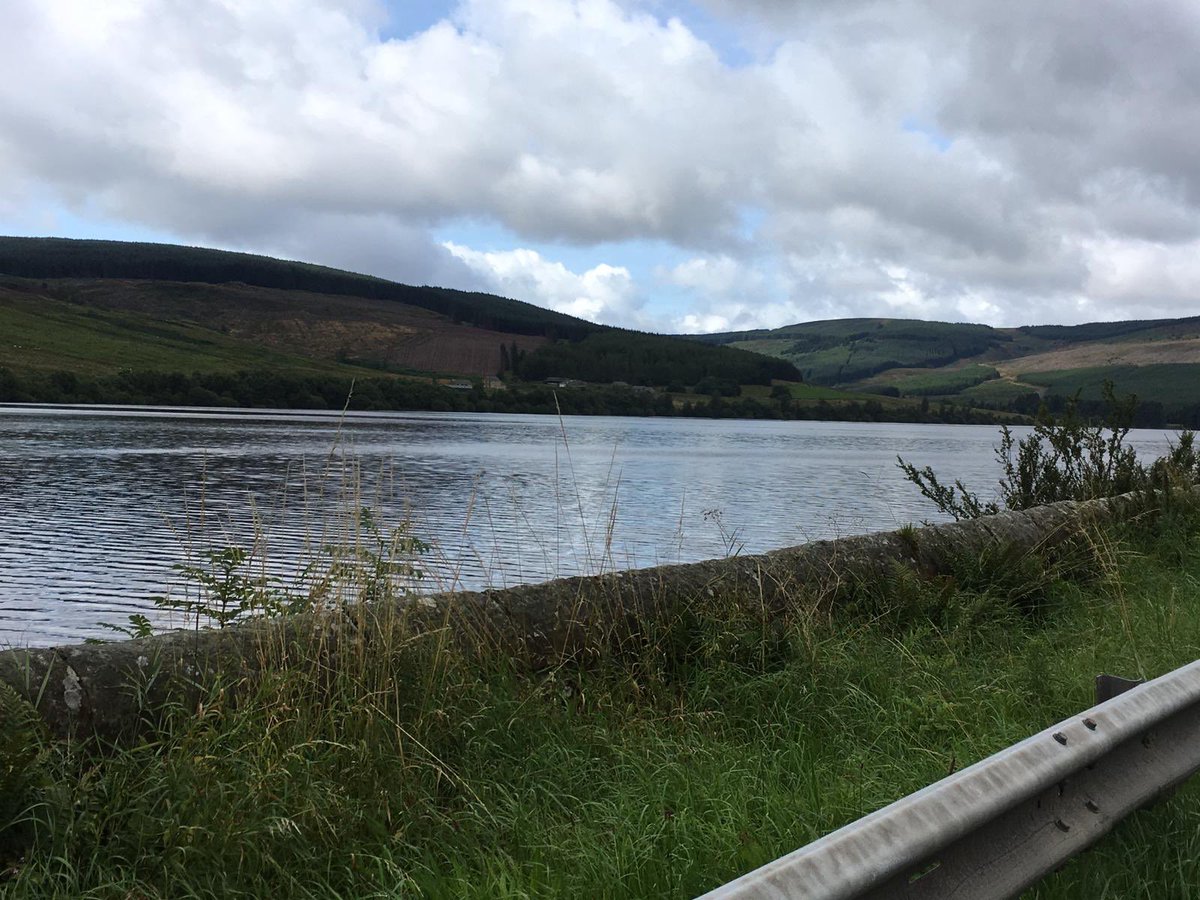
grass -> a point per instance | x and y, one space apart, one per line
41 334
998 391
940 381
409 766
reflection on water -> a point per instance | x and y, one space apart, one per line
98 504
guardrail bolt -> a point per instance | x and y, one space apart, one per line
1060 737
1090 723
1092 807
1061 825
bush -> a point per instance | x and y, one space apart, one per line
1064 459
718 387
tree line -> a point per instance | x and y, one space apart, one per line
267 389
648 359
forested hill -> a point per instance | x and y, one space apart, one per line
1016 369
69 258
95 308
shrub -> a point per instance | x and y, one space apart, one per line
1064 459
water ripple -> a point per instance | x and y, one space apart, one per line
98 506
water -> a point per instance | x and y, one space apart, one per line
97 504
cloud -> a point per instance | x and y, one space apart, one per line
720 276
945 158
603 293
375 244
728 294
1145 278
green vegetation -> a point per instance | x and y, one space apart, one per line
57 258
1174 388
940 382
1066 459
39 335
1159 360
1107 331
268 389
809 393
648 359
1002 394
99 307
847 350
412 765
102 311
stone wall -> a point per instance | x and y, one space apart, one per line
108 690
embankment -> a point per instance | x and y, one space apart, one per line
109 690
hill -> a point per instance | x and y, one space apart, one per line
1001 368
63 258
96 310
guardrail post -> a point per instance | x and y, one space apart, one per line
1109 686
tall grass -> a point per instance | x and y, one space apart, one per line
381 760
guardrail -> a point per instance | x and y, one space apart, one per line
994 829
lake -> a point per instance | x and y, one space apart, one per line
98 504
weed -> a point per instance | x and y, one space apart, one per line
731 538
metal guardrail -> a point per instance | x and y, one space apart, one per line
994 829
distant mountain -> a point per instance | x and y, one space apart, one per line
109 321
63 258
96 307
1003 368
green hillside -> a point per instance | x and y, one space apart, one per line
59 258
1132 329
93 308
42 334
848 350
108 321
1014 369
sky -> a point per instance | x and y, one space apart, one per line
669 165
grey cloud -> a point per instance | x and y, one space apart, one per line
1069 125
1070 90
376 245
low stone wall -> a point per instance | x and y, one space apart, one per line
107 690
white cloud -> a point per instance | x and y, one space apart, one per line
1010 158
720 276
603 293
1145 278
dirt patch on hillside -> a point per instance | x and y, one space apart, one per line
1131 353
321 326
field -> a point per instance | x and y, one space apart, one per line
44 335
1127 353
96 310
1000 392
935 382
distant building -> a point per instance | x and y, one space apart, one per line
459 384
